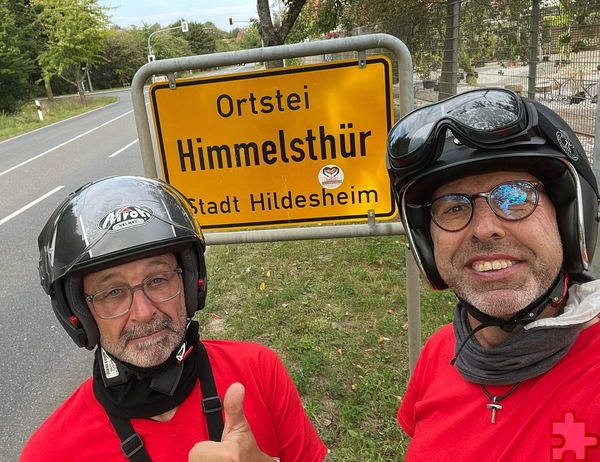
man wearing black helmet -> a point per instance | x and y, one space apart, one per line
122 260
500 205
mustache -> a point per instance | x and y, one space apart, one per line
155 325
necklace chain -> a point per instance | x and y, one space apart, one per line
495 405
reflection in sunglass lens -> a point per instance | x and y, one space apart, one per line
491 112
513 201
510 201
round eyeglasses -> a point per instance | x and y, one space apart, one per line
117 301
511 201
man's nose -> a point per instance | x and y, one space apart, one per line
485 224
142 307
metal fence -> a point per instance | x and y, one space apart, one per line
550 53
564 42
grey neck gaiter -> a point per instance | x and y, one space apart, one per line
527 354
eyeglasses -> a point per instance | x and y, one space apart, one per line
481 119
117 301
510 201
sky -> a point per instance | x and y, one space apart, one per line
126 13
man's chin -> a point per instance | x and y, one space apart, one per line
149 351
500 303
145 360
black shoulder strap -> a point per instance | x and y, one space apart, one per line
132 444
211 403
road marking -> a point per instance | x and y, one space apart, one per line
63 144
31 204
123 149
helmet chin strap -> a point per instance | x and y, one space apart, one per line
554 296
164 377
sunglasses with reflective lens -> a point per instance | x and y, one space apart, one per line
511 201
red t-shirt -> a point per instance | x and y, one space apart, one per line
553 417
80 429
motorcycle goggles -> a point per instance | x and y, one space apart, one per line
481 119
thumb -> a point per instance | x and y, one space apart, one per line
233 405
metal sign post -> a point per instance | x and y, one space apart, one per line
369 227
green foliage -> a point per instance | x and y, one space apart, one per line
16 64
250 37
167 46
316 18
419 24
428 64
201 37
60 37
488 30
74 31
124 53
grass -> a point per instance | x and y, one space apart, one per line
335 311
26 119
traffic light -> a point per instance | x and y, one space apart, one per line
231 21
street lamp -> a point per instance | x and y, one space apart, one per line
184 28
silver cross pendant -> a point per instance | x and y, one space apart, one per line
494 406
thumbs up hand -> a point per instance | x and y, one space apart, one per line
238 443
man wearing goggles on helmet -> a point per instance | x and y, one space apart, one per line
122 260
500 205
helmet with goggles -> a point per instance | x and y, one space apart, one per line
489 130
110 222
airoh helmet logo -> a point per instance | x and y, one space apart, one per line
126 217
567 145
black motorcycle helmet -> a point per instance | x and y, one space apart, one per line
109 222
490 130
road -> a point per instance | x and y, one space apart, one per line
41 366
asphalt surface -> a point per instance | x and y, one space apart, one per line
40 364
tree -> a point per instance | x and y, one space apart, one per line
249 37
418 23
275 33
14 56
167 46
201 37
75 30
317 18
124 53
